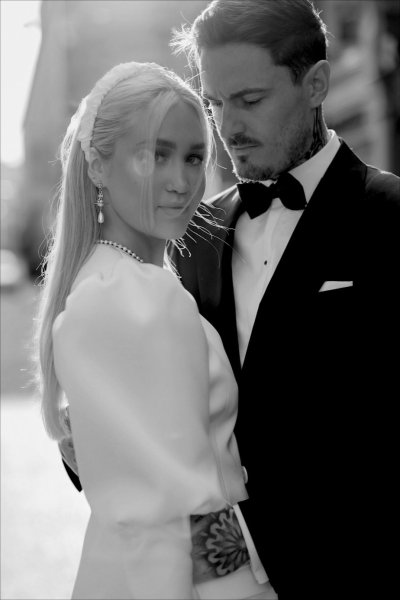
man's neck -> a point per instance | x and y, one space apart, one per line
320 136
319 139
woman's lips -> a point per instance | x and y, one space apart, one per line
172 210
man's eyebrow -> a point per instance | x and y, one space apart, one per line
238 94
246 91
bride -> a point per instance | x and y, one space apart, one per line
145 383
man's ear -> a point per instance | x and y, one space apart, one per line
96 167
316 82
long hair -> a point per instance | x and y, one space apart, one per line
149 92
291 30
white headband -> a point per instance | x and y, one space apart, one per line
90 104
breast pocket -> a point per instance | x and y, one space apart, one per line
340 295
331 336
335 285
333 313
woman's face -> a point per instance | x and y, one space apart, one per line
174 173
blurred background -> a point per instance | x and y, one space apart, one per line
52 52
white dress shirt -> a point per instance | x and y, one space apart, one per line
260 242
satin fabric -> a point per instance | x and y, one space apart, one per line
153 402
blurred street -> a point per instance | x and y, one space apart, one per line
43 517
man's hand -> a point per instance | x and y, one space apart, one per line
66 445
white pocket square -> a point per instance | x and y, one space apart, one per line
335 285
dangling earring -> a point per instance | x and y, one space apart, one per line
100 203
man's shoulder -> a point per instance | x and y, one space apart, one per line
381 206
223 199
205 238
209 226
383 183
376 184
217 211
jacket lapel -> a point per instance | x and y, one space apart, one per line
321 246
210 281
227 309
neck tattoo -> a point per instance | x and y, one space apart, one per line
319 137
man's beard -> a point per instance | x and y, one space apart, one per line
295 154
243 168
247 171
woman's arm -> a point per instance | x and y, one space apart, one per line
132 358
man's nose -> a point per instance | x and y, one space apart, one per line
230 123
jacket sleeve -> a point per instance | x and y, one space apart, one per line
132 358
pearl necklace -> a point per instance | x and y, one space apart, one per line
122 248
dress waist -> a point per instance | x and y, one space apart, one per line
218 544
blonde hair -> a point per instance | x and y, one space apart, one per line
151 90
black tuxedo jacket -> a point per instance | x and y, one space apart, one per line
319 382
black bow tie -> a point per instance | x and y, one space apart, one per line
257 197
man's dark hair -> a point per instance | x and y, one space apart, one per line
291 30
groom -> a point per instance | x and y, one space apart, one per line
303 286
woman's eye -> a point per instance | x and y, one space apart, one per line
195 159
160 157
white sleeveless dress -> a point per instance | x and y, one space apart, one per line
152 403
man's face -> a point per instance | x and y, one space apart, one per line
263 118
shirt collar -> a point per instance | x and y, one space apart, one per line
310 173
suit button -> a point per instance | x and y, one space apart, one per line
245 475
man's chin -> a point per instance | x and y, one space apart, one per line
247 171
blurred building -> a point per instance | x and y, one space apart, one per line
81 39
362 104
10 210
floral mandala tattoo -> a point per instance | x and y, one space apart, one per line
219 547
